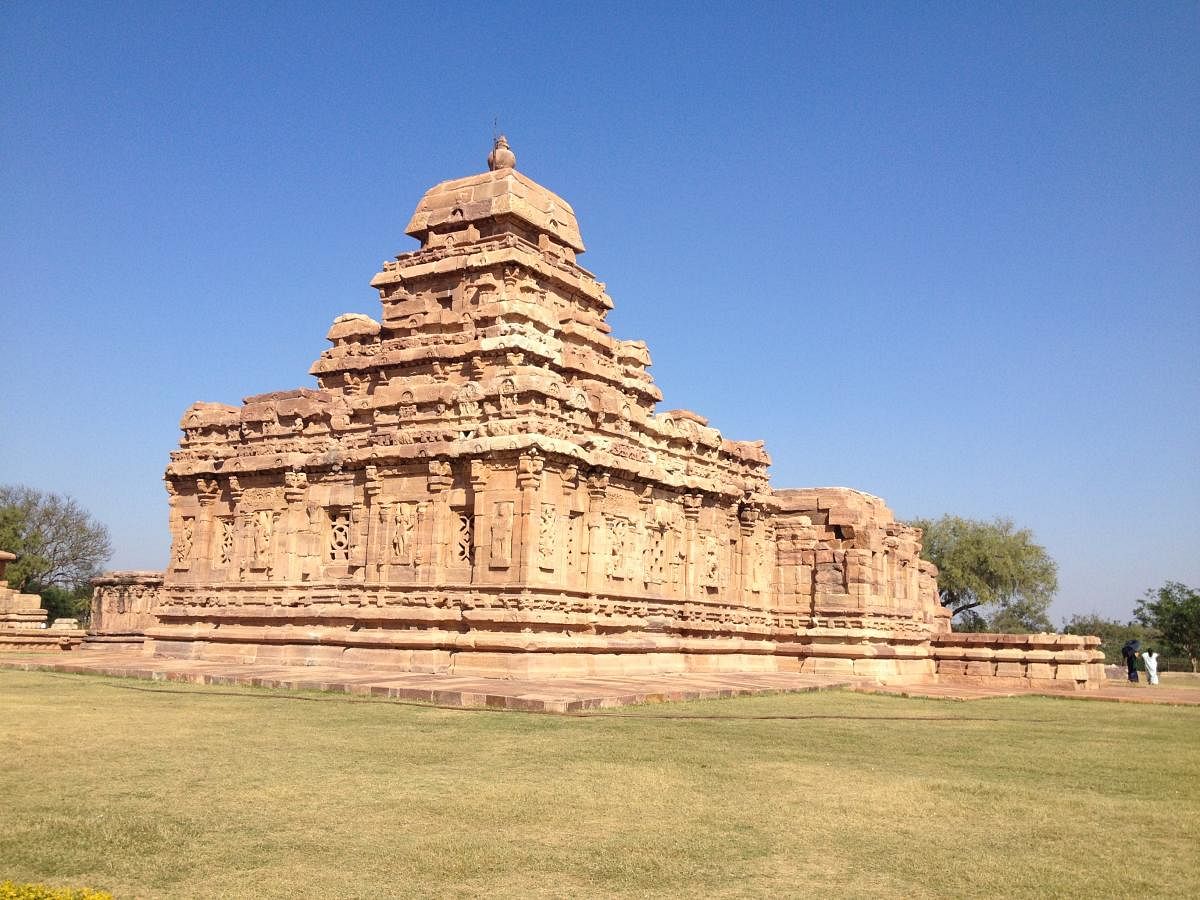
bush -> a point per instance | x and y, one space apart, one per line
10 890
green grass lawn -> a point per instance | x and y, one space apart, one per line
151 789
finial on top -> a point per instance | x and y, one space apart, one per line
501 157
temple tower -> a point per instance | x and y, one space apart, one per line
481 482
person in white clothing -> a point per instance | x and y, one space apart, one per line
1150 658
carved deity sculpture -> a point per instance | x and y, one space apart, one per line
502 526
618 551
183 546
264 527
547 534
508 401
404 525
712 560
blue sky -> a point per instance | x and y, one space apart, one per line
944 253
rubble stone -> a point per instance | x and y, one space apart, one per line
23 621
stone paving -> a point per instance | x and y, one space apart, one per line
549 695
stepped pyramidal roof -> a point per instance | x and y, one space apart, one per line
491 335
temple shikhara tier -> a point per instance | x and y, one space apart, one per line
481 482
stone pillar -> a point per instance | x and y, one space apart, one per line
691 519
241 531
639 573
597 543
748 520
295 525
379 554
362 553
438 524
571 551
481 509
530 468
207 490
375 526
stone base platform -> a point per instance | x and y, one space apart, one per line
21 640
134 642
556 695
550 695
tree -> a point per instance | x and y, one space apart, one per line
56 541
61 603
1112 633
1174 612
990 568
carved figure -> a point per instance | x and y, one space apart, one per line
547 534
264 528
712 560
618 537
403 527
508 402
225 541
502 524
183 546
468 399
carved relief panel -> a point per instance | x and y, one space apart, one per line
184 540
501 548
403 531
547 537
263 524
619 541
223 542
711 570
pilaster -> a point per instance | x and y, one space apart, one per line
530 468
295 524
597 543
437 521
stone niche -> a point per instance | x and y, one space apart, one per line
481 482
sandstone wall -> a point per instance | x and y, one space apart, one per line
123 607
1062 661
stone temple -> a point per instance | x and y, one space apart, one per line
481 483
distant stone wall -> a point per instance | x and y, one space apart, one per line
1060 661
123 605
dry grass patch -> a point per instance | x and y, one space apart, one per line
171 790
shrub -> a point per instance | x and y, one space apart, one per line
10 890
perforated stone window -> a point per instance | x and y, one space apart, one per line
225 542
339 535
656 556
464 543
